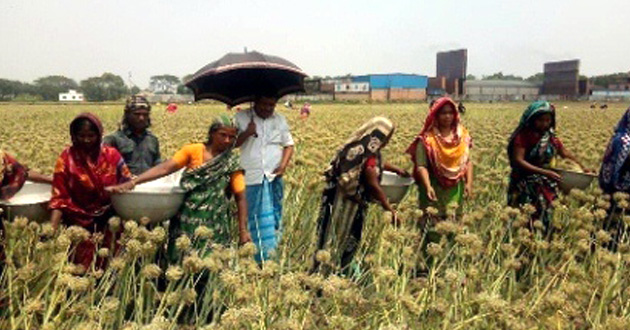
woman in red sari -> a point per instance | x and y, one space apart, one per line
82 172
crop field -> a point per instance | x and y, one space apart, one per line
487 272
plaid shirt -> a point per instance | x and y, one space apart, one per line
139 152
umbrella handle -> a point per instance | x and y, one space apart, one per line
252 119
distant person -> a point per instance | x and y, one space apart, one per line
461 108
352 182
171 108
82 172
532 150
134 141
266 149
443 169
305 112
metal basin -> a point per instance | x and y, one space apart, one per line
395 186
158 200
574 180
30 202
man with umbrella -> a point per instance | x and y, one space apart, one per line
264 136
266 149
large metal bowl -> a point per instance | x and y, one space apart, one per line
574 180
395 186
30 202
157 200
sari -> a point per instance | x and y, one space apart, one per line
12 175
79 191
541 150
614 174
345 197
446 160
207 200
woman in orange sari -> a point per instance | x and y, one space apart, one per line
443 169
82 172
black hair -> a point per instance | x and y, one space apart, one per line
76 125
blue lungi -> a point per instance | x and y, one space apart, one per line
264 213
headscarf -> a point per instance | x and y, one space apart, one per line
611 178
12 176
134 102
544 150
221 121
449 160
347 164
92 118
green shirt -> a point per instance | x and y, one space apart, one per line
445 196
139 152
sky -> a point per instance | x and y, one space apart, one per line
137 39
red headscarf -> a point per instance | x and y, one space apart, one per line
448 159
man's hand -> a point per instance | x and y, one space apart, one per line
279 171
251 128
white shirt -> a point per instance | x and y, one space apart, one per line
261 155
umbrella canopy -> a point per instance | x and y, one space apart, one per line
240 77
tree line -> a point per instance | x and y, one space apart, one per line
601 80
106 87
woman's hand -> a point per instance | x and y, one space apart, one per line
121 188
468 190
431 194
553 175
244 237
403 173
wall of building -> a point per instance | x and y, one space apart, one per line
352 96
407 94
562 78
478 91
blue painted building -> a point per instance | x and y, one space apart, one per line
394 80
392 87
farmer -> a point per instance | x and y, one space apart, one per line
266 149
305 112
13 175
138 146
532 149
212 176
82 172
443 169
614 174
352 181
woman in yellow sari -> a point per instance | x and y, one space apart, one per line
443 169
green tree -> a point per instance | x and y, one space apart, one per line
181 88
164 84
500 76
537 78
10 89
471 77
49 87
107 87
135 90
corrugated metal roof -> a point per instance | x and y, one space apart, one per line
500 83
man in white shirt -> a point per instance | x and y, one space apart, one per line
266 149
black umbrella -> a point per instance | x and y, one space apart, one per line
239 77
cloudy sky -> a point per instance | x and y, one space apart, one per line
82 38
